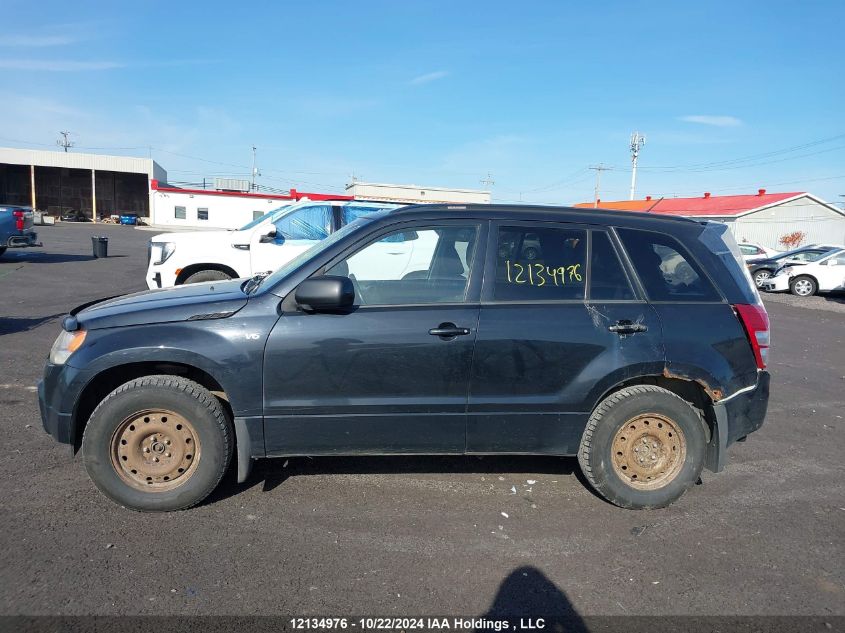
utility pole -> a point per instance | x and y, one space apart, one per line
487 180
599 169
254 169
65 142
637 141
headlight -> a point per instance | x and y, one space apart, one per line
161 251
66 344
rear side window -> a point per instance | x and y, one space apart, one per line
666 270
540 264
608 280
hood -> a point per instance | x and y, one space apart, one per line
205 238
209 300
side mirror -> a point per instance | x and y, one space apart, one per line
325 294
268 237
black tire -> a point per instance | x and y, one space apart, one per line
597 457
207 275
803 286
761 276
171 393
2 250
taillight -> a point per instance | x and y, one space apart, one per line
755 320
18 220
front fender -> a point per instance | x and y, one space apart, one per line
229 350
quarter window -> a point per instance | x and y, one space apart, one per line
179 213
667 272
540 264
608 280
202 214
420 266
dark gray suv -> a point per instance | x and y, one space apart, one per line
637 343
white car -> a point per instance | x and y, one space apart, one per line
261 246
750 250
806 279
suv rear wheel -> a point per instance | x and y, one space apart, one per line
158 443
643 447
207 275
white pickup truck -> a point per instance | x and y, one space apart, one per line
261 246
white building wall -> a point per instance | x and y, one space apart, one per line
414 193
224 212
819 222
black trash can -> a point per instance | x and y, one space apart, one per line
100 245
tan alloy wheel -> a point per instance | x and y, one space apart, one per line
648 451
155 450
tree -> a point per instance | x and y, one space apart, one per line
792 240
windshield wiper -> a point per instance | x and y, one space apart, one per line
253 282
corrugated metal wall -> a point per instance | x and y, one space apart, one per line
820 224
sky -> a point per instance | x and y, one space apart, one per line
731 96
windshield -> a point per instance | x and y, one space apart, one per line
312 252
261 218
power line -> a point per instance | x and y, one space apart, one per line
599 169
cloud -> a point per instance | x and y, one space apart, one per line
36 41
428 77
714 120
58 65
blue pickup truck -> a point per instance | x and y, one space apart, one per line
16 228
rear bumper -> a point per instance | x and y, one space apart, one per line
736 417
24 240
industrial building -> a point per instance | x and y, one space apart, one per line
217 208
99 186
414 193
94 184
762 218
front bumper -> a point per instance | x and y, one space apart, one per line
736 417
776 284
58 394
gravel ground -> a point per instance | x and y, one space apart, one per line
418 535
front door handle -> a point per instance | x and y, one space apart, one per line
627 327
448 330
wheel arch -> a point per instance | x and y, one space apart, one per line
110 378
699 395
189 270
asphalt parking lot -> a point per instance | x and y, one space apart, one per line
399 536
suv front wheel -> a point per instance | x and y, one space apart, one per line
158 443
643 447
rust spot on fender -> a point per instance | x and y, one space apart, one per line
715 394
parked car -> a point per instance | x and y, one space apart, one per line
594 349
750 251
762 269
807 278
16 228
263 245
74 215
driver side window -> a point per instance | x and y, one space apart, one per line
412 266
308 223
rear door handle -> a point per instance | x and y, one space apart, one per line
627 327
448 330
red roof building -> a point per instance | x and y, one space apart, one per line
762 218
